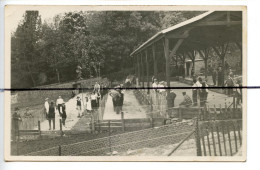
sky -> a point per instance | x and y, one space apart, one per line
14 15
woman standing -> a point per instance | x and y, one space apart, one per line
64 115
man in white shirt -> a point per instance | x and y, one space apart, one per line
199 85
97 87
59 104
46 107
155 85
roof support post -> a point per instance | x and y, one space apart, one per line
167 57
147 71
155 70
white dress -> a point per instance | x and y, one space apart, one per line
89 104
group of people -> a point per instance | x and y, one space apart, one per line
50 109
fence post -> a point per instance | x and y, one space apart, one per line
109 140
197 137
93 123
59 150
61 128
39 128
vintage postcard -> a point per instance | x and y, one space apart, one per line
125 83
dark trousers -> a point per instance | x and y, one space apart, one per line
63 121
59 106
53 121
194 98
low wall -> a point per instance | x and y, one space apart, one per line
153 137
31 97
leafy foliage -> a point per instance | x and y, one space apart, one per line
100 42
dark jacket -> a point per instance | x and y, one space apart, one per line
51 112
170 99
64 115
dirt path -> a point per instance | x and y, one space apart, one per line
131 108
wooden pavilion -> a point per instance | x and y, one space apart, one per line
212 29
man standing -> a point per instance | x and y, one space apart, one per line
59 104
220 77
119 102
16 118
170 101
155 85
214 76
46 107
64 115
186 100
97 87
78 106
194 93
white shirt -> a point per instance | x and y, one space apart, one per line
93 97
162 88
46 105
59 101
154 85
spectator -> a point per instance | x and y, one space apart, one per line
192 71
64 115
16 119
119 102
59 104
214 76
96 87
220 77
27 114
194 93
155 85
186 100
170 101
238 91
79 106
88 103
46 107
204 94
229 84
161 87
51 115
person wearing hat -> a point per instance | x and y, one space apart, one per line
51 115
59 104
16 119
46 107
63 115
186 100
78 106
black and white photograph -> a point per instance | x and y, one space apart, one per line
125 83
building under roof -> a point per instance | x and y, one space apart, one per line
212 29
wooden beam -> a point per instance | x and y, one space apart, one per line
215 23
167 61
175 48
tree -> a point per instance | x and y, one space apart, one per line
25 51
